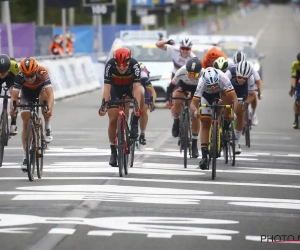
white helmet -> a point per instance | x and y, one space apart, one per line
244 69
186 42
211 77
239 56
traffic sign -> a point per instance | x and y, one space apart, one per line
99 9
88 3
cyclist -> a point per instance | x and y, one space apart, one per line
242 80
295 88
185 80
34 82
240 56
221 63
9 69
211 55
149 91
179 55
121 77
213 84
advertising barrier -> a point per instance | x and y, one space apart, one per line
69 76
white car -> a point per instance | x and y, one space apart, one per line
143 49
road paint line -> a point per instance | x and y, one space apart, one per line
66 231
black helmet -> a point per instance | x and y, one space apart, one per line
194 65
298 56
4 63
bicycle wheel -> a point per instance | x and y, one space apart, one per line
41 149
185 138
214 149
247 129
231 144
120 147
127 152
3 135
131 153
30 149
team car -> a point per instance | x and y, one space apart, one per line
143 49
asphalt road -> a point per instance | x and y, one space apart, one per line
81 203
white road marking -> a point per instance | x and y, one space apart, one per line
158 227
66 231
268 205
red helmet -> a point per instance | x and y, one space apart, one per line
122 57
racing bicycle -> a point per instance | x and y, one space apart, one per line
185 133
215 132
35 138
123 142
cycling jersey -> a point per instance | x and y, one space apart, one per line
145 82
32 91
242 90
13 72
207 96
121 84
213 54
178 59
295 71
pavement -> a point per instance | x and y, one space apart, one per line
82 203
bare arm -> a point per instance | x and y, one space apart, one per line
293 82
250 97
161 44
152 93
106 92
137 92
50 95
194 105
260 85
14 97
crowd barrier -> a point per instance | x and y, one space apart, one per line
69 75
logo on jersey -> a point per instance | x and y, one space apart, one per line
137 71
107 70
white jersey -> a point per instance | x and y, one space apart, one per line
182 76
224 84
178 59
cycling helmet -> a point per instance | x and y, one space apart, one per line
193 65
298 56
186 42
28 66
221 63
122 55
238 57
244 69
211 77
4 63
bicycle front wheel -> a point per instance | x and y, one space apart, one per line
231 145
214 149
30 149
120 147
247 129
3 135
41 149
131 155
184 142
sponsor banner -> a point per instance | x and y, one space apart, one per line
43 37
22 37
141 3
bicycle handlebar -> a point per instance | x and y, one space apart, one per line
120 102
215 105
31 105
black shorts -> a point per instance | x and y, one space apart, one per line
210 97
182 88
29 96
117 93
241 91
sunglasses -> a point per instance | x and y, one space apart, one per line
123 64
185 48
192 74
242 78
29 76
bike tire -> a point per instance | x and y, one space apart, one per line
231 145
41 150
247 132
132 149
185 138
120 147
127 152
214 149
3 135
30 149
